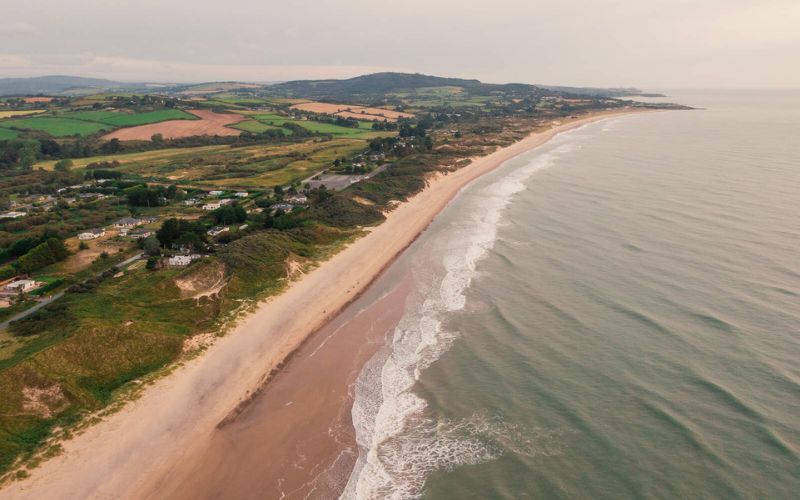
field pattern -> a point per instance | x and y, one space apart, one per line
209 123
20 112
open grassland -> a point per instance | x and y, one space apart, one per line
94 344
57 127
257 166
209 123
20 112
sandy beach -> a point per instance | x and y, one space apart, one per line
156 446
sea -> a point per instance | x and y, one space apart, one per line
615 315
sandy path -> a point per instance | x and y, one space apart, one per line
210 123
125 455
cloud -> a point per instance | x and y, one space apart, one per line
18 28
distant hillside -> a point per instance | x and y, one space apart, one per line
380 84
600 92
55 84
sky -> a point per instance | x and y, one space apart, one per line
650 44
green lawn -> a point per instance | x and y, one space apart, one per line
58 127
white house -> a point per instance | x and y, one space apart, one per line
215 231
298 199
212 206
241 194
182 260
138 234
12 215
92 234
216 193
22 286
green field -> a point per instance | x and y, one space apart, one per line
312 126
57 127
127 120
257 127
6 134
119 119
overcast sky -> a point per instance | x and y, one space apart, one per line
644 43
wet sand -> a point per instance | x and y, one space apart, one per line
153 444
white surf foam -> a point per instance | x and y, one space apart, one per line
399 446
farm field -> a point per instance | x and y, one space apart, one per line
57 127
121 119
312 126
20 112
257 127
361 112
209 123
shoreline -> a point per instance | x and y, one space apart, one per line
127 453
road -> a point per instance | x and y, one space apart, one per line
54 297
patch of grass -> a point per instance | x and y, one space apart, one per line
131 120
20 112
6 134
57 127
257 127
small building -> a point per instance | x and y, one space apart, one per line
127 222
21 286
241 194
182 260
92 234
140 234
286 207
190 202
12 215
298 199
226 201
243 227
216 231
212 206
215 193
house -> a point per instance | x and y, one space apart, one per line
190 202
182 260
127 222
243 227
215 231
241 194
297 199
286 207
226 201
212 206
123 231
215 193
92 234
12 215
140 234
21 286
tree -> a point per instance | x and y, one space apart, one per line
151 245
83 245
63 165
152 262
157 139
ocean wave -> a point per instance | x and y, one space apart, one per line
399 446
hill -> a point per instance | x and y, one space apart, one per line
54 84
381 84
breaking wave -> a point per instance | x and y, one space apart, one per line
399 446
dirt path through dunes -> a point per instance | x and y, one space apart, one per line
210 123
